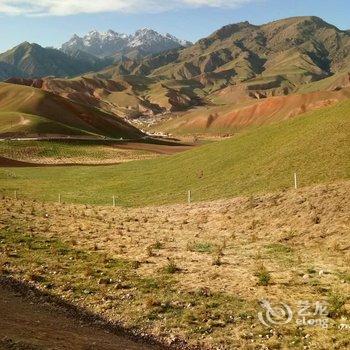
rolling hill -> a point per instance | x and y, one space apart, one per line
262 159
29 111
125 96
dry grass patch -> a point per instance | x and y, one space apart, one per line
195 272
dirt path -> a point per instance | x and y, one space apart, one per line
26 325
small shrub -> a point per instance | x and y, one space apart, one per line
201 247
135 264
219 250
149 251
316 219
311 271
263 275
171 267
158 245
336 303
217 260
278 248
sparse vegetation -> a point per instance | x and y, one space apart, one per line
190 293
263 275
171 267
336 302
200 247
217 260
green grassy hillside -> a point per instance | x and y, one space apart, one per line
27 110
315 145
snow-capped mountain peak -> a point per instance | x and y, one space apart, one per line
111 43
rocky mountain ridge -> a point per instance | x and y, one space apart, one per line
104 44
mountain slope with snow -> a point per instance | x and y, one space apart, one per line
143 42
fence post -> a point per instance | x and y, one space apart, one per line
113 201
189 197
59 198
295 181
15 194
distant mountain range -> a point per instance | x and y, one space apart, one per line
271 59
79 55
281 54
111 44
240 75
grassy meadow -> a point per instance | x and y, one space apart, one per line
315 145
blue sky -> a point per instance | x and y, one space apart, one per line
52 22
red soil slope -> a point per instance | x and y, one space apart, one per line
265 111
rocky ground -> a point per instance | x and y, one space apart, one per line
195 274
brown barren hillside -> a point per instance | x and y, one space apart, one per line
287 52
129 97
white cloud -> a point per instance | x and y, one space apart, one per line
71 7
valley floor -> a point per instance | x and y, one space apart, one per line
195 274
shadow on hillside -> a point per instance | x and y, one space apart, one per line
27 311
